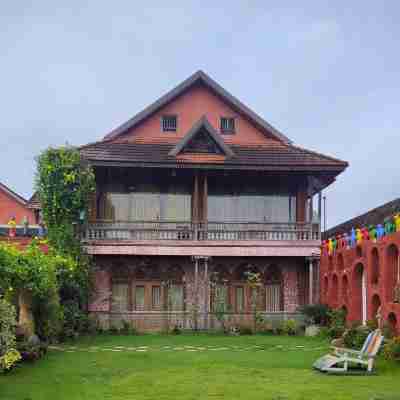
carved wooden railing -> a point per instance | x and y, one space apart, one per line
212 231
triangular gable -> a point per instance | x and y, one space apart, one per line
202 138
12 194
198 78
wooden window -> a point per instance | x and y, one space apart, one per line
176 297
119 297
156 297
220 299
239 299
139 298
273 297
227 125
169 123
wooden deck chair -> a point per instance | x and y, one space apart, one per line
338 362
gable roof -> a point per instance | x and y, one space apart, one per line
373 217
34 202
199 77
13 194
200 126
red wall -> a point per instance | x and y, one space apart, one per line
380 262
9 207
189 108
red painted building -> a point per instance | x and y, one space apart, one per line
363 278
197 184
12 205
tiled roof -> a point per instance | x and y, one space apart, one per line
373 217
34 202
275 157
11 193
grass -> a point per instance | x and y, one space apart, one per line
241 372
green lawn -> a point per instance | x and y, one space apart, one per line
216 367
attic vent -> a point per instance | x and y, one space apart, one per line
168 123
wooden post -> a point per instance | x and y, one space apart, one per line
195 203
205 197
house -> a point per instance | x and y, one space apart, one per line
364 279
14 206
196 186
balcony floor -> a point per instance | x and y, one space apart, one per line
237 248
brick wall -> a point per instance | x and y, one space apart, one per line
378 263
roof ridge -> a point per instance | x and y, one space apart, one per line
198 76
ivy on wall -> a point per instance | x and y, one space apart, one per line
65 184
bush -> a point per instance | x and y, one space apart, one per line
289 327
9 359
316 313
176 330
49 317
391 350
337 320
32 351
354 337
245 330
8 325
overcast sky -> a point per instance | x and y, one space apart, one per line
326 73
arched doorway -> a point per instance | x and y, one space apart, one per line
392 272
340 262
325 290
334 292
345 289
330 264
392 321
345 312
359 294
374 266
375 304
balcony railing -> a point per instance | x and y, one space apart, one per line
202 231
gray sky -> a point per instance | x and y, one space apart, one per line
326 73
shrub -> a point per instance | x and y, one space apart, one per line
337 320
289 327
176 330
245 330
8 324
391 350
9 359
316 313
354 337
32 351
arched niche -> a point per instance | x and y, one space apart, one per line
375 266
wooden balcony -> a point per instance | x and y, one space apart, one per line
200 231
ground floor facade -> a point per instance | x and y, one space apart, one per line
152 293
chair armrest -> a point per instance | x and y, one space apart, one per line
342 350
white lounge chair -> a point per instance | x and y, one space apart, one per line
338 362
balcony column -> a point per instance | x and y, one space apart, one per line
195 206
205 198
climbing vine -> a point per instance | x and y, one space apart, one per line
65 183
